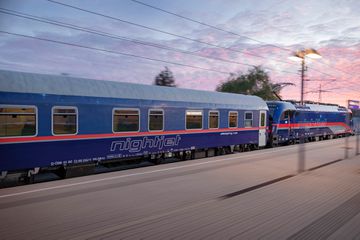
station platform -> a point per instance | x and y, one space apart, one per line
319 204
250 195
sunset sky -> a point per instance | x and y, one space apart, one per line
263 33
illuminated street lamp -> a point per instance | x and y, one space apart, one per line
300 56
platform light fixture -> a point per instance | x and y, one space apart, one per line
300 56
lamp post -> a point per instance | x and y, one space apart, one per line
300 55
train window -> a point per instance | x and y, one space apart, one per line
16 121
285 115
248 122
233 119
213 119
194 119
262 120
64 120
126 120
156 120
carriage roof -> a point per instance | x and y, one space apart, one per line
22 82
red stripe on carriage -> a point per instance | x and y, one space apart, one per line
323 124
114 135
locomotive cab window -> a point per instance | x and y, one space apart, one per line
248 121
17 121
64 120
126 120
194 119
285 115
213 119
156 120
233 119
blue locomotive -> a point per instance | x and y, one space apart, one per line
52 122
291 122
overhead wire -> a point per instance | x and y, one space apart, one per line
111 51
111 35
165 32
355 83
207 25
172 34
227 31
123 38
139 25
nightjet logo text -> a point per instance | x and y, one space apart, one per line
136 145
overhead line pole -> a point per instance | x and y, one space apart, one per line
302 80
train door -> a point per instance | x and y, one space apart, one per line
287 119
291 121
262 129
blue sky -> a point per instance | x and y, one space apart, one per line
278 26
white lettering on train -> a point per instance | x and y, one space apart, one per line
136 145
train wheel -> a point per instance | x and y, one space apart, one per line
255 147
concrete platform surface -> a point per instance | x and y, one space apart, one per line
252 195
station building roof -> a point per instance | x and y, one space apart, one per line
22 82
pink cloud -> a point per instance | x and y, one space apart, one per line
324 31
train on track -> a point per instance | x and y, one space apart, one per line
62 123
292 122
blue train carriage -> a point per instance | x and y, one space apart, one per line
289 121
56 122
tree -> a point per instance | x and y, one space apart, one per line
255 82
165 78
